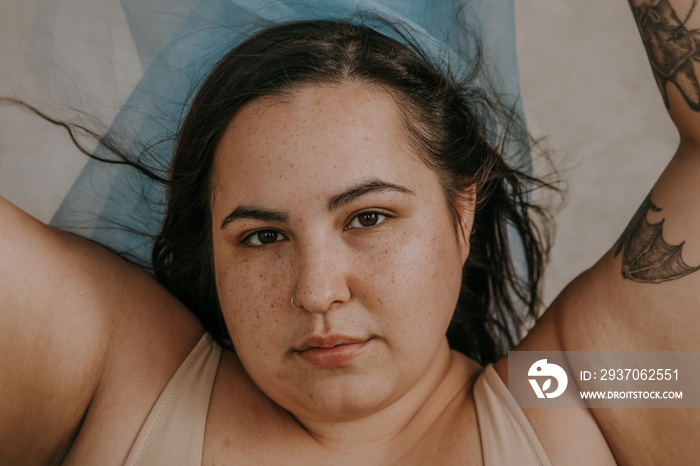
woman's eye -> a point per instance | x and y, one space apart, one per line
367 219
263 237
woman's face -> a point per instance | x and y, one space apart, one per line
320 196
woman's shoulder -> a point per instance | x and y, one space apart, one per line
78 326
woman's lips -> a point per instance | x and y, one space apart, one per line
331 351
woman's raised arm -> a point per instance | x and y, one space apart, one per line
643 294
74 321
53 349
670 31
648 281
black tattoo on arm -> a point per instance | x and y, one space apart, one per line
646 257
673 49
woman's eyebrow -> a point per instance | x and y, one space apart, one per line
334 202
361 189
255 213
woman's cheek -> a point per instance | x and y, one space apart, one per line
246 296
394 272
432 272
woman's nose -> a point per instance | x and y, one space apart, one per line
322 271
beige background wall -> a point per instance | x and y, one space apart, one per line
586 86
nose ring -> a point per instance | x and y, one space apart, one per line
297 308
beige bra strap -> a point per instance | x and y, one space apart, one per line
173 433
506 434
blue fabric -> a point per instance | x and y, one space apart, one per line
179 42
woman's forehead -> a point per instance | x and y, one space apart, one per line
338 109
318 134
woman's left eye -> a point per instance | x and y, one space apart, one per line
366 219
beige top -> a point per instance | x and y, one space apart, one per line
506 435
173 433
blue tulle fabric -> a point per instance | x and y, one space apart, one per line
177 45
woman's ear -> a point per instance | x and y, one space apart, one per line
465 207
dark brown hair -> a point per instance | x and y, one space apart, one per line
451 124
